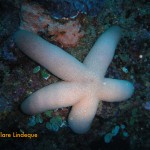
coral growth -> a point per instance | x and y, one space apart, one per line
67 34
34 19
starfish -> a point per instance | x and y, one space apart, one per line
83 85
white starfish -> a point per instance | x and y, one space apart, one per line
84 83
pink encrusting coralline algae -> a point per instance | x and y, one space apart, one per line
34 18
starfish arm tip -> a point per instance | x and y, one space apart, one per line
116 90
130 88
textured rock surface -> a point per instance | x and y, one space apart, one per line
65 9
34 19
17 81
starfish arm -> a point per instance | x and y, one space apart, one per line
53 58
57 95
103 50
82 115
115 90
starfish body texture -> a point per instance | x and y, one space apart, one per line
83 85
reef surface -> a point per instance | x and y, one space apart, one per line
116 125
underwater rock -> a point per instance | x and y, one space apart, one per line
9 18
64 9
147 105
7 55
67 34
33 18
4 105
7 51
